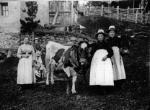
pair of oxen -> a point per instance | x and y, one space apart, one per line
73 60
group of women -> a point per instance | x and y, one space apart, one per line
106 66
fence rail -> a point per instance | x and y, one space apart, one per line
130 14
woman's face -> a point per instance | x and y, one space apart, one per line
100 37
111 33
36 42
26 40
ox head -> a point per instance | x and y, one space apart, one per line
83 52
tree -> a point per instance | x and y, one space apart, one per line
29 24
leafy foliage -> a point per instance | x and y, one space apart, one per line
29 24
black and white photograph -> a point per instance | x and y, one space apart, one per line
74 55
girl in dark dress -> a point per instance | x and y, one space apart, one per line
101 72
118 66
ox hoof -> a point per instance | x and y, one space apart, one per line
47 84
52 83
74 92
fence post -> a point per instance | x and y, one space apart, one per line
128 13
136 16
117 12
102 10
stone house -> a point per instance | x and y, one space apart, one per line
11 13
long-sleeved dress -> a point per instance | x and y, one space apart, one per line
101 72
25 73
118 66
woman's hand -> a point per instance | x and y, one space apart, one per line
104 58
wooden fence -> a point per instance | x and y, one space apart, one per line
131 14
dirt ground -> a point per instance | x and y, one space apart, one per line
134 94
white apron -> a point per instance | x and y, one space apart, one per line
25 75
101 72
24 71
118 66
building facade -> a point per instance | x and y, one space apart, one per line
10 16
11 13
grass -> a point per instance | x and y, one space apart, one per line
134 94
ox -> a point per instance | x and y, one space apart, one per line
70 59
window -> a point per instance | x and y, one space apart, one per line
51 17
4 9
68 6
52 6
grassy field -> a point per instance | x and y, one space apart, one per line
134 94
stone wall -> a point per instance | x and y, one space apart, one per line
9 40
12 42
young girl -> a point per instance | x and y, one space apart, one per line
101 72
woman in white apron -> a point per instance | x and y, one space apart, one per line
26 57
101 72
118 66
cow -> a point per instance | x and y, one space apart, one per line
70 59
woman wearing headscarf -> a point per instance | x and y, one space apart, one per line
26 55
118 66
101 72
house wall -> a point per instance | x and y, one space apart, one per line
11 22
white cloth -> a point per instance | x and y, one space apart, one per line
24 72
39 60
118 66
101 72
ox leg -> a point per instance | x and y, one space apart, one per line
47 76
68 88
74 78
52 74
67 71
48 70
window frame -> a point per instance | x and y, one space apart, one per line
4 9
